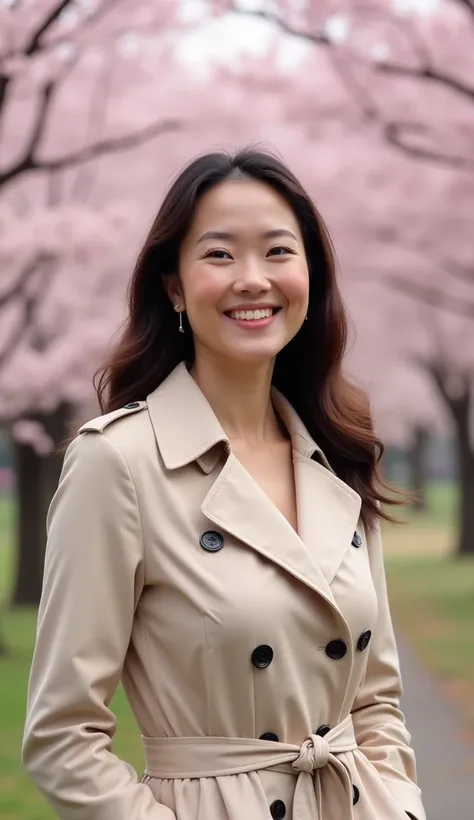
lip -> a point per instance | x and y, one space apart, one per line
254 306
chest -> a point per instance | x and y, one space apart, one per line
272 469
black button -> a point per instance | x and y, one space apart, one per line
269 736
323 730
364 640
356 540
336 650
132 405
355 795
262 656
278 810
211 541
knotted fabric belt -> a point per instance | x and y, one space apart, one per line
193 757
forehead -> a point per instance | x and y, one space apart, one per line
243 204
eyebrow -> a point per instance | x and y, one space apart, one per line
228 237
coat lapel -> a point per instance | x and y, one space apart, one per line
328 512
237 505
187 430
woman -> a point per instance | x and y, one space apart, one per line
214 540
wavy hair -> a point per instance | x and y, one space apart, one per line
308 371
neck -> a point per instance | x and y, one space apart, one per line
240 398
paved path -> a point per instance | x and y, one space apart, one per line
445 762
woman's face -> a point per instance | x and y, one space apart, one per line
243 274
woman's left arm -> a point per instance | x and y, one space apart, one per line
379 724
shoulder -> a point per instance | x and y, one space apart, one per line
121 436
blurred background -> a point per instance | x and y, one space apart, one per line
372 105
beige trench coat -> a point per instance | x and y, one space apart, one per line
169 568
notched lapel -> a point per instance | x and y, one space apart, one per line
237 504
328 512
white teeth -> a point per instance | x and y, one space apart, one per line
248 315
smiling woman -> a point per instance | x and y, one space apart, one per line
221 521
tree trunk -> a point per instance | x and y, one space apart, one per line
417 460
465 545
3 646
29 530
460 408
37 479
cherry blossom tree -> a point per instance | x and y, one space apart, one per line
407 64
66 70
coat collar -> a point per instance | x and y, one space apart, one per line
187 430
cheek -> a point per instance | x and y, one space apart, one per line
294 284
206 287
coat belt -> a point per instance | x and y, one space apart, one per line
194 757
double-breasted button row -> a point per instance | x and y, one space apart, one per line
214 541
338 648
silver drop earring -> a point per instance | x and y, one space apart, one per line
180 326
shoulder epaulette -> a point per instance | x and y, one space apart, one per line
99 424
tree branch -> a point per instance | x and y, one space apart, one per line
426 74
428 295
467 4
318 38
26 274
394 133
105 146
29 302
34 43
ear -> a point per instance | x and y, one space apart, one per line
173 288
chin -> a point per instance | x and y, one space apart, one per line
252 356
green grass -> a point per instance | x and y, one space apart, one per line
432 600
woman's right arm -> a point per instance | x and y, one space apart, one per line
94 575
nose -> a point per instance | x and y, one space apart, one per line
252 279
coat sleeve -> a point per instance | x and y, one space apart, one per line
379 724
94 575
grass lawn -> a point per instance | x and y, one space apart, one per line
432 600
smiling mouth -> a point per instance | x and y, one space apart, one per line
252 315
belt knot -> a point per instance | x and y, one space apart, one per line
314 754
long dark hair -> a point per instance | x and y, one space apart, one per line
308 371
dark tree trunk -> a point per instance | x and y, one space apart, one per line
3 646
417 461
465 544
37 479
460 408
29 528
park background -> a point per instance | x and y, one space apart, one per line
372 105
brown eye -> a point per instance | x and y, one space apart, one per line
280 250
217 253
